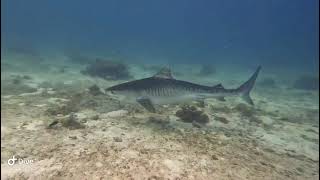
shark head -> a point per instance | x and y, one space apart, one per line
121 93
116 93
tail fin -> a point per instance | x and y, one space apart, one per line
246 87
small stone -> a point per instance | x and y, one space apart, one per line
300 169
16 81
117 139
83 120
95 117
53 123
221 119
51 92
24 124
71 122
263 163
77 153
99 164
196 124
40 105
214 157
73 137
26 77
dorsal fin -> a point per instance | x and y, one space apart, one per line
164 73
218 86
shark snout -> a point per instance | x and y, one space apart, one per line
115 94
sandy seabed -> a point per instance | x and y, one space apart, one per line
276 139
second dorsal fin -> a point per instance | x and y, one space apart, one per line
218 86
164 73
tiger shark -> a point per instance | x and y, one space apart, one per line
163 88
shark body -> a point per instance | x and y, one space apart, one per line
162 88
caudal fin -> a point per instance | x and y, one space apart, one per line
246 87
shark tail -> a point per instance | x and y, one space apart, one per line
246 87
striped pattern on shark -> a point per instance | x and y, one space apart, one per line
162 88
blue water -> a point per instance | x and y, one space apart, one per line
274 33
54 112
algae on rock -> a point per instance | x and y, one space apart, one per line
190 114
106 69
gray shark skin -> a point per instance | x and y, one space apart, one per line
162 88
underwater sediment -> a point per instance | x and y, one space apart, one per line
71 129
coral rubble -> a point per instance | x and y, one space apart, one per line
106 69
191 114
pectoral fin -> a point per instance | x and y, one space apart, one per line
146 103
